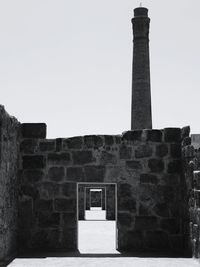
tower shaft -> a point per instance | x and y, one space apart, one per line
141 89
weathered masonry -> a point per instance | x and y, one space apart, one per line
148 180
152 209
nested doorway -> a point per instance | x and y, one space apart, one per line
97 218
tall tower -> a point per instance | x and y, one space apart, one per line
141 88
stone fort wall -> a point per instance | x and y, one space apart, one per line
9 157
191 166
145 165
157 191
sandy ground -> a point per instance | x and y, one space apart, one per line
99 237
95 215
105 262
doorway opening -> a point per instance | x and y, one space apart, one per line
95 207
97 218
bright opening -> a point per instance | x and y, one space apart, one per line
97 227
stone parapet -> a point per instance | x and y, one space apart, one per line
191 168
144 164
9 165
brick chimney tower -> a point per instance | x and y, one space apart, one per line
141 88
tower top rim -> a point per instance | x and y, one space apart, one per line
141 12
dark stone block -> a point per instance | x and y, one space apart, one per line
118 139
167 193
172 135
125 219
93 141
154 135
175 150
48 219
107 158
109 141
185 132
174 166
45 239
32 176
124 190
162 210
33 130
144 210
134 241
65 205
94 173
127 204
171 225
83 157
69 190
56 173
69 239
75 174
59 158
143 151
125 152
33 162
145 223
148 179
171 179
133 164
157 240
24 240
186 141
49 190
156 165
29 190
148 194
47 146
161 150
43 205
73 143
26 214
176 243
132 135
69 219
29 146
59 144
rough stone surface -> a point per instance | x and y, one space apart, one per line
47 145
56 173
156 165
125 152
58 158
75 174
191 167
94 173
82 157
161 150
33 130
154 135
148 179
73 143
142 168
172 135
132 135
33 162
143 151
9 164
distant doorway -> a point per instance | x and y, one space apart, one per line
95 199
97 218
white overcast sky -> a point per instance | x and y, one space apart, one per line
68 63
